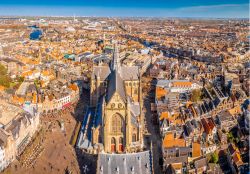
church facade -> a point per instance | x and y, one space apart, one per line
115 93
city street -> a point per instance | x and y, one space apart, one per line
154 135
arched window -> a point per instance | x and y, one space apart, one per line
117 124
133 138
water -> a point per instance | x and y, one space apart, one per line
36 33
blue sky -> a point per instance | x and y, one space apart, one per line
148 8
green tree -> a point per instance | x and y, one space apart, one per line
230 137
3 70
196 95
237 140
20 79
214 158
5 80
37 83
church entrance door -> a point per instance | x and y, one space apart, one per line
113 146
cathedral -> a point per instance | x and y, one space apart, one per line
115 95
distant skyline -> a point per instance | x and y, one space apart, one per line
127 8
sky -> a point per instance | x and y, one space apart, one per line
127 8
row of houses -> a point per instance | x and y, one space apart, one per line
51 101
191 131
57 96
17 126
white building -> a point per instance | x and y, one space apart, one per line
179 86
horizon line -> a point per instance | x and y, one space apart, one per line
100 16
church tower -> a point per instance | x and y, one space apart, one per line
121 126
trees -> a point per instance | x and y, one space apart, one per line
196 95
3 70
37 83
4 78
230 137
20 79
214 157
5 81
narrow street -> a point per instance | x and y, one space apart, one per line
153 129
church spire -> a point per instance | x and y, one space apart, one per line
116 59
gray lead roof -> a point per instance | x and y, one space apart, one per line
137 163
130 72
117 76
101 71
115 85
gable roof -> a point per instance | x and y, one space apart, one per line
200 163
196 149
115 85
160 92
169 141
129 72
101 71
208 125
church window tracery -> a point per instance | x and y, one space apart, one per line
116 124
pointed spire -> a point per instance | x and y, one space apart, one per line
116 59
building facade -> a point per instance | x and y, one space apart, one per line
17 127
116 93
